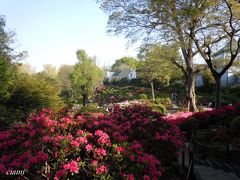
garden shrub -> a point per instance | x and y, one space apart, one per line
235 90
178 118
93 108
141 124
215 118
160 108
164 101
143 96
190 126
31 93
133 142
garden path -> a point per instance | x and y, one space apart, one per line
213 170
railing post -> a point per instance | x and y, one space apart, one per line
183 159
228 152
191 165
204 153
194 145
189 155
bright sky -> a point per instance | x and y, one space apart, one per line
52 30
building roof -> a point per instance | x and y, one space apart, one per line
225 48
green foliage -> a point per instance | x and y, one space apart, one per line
6 61
127 61
159 107
208 80
6 79
123 82
31 93
63 77
143 96
25 68
49 71
93 108
157 64
164 101
118 94
85 77
235 90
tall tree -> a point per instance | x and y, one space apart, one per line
157 64
163 56
217 29
31 92
50 70
49 73
85 77
129 61
161 20
8 59
65 82
26 68
149 71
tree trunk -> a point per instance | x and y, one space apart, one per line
85 99
190 78
218 93
191 96
168 82
186 90
152 87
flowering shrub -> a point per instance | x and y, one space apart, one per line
222 117
178 118
147 134
55 147
129 143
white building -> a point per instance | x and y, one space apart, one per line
125 73
109 75
229 78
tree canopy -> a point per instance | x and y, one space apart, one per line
156 64
158 21
63 77
128 61
85 76
173 21
217 31
158 58
6 64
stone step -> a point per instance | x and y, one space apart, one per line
211 169
208 173
226 167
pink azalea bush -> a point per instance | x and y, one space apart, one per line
178 118
190 122
212 116
129 143
150 138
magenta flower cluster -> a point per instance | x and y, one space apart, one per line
191 122
130 143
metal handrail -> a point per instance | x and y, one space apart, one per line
190 170
206 145
190 167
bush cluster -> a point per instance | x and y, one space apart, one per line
129 143
226 118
